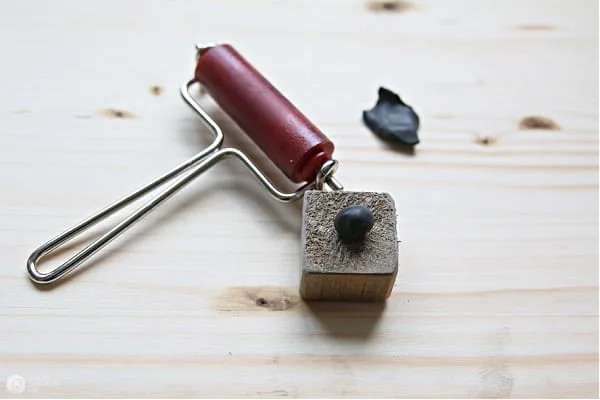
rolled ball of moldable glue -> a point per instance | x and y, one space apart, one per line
353 223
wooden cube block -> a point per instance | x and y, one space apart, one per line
334 270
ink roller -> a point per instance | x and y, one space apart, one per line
349 245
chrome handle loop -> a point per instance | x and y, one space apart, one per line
181 176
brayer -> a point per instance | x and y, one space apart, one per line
349 244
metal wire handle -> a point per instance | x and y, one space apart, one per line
181 176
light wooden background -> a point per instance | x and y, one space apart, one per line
497 294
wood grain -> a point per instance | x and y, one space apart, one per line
497 291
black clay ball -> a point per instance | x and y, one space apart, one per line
353 223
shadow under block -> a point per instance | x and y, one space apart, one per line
333 270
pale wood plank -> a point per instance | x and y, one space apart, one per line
497 293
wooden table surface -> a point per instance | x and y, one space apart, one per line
497 292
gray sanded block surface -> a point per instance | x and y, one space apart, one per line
334 270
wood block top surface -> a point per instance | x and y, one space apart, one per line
325 253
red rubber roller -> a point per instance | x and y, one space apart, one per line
286 136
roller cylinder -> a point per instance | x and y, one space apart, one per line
283 133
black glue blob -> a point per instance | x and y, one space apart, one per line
393 120
353 223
